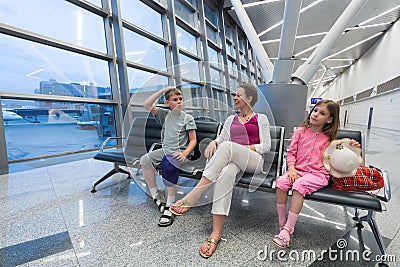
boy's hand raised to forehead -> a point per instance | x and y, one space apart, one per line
166 89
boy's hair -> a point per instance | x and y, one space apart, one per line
330 129
250 90
173 91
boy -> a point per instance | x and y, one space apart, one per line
179 139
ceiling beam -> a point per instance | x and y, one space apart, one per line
307 70
262 56
283 67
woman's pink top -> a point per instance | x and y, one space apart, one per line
306 150
245 133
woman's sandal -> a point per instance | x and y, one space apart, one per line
176 209
281 241
166 219
208 246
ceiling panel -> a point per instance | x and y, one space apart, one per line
320 18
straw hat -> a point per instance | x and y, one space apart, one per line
341 159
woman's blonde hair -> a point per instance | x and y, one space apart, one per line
331 129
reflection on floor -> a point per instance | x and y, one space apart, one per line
50 218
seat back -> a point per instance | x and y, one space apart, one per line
272 163
143 133
356 135
206 131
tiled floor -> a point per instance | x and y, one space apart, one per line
50 218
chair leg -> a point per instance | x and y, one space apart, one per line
110 173
126 172
375 231
116 169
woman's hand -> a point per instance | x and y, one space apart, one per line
292 174
210 149
251 147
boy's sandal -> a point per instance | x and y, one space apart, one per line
166 215
281 241
159 204
159 200
208 246
181 204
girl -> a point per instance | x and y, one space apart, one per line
306 172
241 146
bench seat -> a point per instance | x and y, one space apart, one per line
354 199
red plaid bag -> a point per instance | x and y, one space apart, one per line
365 179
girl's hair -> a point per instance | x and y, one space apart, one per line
250 90
172 91
330 129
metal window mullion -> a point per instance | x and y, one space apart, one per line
255 63
143 32
112 69
155 5
121 60
246 57
186 26
237 52
224 53
206 61
188 4
174 50
135 65
90 7
167 49
38 38
3 147
42 97
188 54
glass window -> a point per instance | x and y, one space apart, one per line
193 95
46 127
96 2
228 32
243 59
142 84
241 44
142 50
231 49
25 67
142 15
219 99
233 83
186 40
51 17
232 68
213 56
215 77
211 14
189 68
213 35
185 13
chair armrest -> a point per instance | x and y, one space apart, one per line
108 139
155 146
387 191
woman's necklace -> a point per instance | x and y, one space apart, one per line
246 117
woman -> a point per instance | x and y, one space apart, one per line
240 147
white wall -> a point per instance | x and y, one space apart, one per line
379 64
385 116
